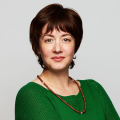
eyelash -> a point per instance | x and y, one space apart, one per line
67 39
47 40
63 39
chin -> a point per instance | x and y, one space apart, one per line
59 68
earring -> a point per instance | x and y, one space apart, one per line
72 63
42 63
74 57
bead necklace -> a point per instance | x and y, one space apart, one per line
65 101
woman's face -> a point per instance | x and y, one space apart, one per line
56 49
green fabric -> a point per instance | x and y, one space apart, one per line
34 102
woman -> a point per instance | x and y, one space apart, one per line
55 35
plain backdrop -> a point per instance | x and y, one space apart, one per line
98 57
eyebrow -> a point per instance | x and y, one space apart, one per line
53 35
47 35
66 35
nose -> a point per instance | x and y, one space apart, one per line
57 47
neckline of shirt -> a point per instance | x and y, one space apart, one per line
47 92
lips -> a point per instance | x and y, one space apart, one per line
58 58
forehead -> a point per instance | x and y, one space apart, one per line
45 30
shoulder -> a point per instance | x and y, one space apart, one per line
92 84
29 90
30 100
25 91
29 94
26 88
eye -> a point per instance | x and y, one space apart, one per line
66 40
48 40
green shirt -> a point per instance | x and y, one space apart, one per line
34 102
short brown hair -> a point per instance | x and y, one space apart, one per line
55 16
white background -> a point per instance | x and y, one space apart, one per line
98 57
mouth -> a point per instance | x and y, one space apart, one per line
58 58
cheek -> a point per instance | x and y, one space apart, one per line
45 52
69 51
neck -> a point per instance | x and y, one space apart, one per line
59 79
